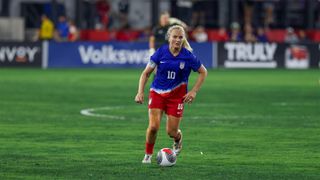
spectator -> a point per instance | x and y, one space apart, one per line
291 37
184 10
317 23
261 35
46 30
235 34
248 11
199 34
198 13
62 30
222 35
303 37
103 9
249 35
144 35
124 6
269 20
73 32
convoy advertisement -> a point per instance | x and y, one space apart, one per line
20 54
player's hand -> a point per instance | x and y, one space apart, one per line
139 98
189 97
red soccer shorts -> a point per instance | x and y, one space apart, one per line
171 104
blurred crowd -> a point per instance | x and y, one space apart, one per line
246 29
64 30
248 33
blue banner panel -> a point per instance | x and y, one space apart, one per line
114 54
89 54
204 52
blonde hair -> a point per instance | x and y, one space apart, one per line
185 42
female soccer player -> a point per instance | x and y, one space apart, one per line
168 91
158 36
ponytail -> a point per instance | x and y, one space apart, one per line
186 45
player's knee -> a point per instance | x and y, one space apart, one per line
153 129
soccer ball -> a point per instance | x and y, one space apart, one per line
166 157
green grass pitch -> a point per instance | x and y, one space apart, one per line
244 124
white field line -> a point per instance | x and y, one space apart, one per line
241 117
293 104
93 112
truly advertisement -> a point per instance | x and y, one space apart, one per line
17 54
115 54
268 55
247 55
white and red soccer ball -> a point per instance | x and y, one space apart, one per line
166 157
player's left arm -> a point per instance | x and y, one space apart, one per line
189 97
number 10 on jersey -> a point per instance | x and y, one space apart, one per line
171 75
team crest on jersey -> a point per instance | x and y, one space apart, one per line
182 65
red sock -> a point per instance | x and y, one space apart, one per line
149 148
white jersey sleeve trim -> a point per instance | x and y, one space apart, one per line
151 64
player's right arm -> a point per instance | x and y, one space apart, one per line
151 45
143 81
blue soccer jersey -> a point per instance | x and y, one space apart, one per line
172 71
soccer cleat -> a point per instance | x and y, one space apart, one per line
147 159
177 145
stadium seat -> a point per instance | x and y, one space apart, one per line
213 34
276 35
95 35
98 35
314 35
127 35
84 35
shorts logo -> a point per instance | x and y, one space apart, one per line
182 65
150 100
